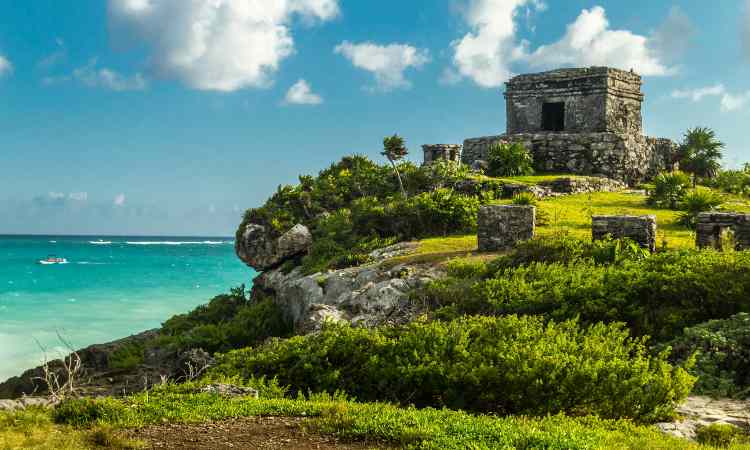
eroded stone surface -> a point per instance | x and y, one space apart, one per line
259 249
701 411
712 226
501 227
368 295
641 229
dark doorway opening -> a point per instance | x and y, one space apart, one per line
553 116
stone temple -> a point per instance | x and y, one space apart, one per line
583 121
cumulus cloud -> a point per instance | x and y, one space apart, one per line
386 62
101 77
119 200
5 66
728 101
301 94
488 52
221 45
589 41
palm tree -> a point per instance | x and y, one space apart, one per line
700 153
394 150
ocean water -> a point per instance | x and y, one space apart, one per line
110 288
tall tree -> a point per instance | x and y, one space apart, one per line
395 150
700 153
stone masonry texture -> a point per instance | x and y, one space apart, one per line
711 226
435 152
503 226
641 229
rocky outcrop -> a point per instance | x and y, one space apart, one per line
697 412
259 249
369 295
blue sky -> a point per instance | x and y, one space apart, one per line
173 116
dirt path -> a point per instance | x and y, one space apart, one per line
263 433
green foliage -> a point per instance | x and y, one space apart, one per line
504 365
87 411
228 321
126 357
657 296
697 201
732 181
524 199
721 435
509 160
669 189
700 152
394 148
722 349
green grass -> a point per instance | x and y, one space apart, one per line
401 427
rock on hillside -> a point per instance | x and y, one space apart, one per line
368 295
259 249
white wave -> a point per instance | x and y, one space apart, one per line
100 242
53 242
176 242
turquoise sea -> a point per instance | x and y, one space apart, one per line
111 287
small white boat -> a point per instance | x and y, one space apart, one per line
52 259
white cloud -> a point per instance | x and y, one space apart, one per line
728 101
221 45
590 42
697 94
387 62
119 200
301 94
95 77
733 102
56 195
488 52
5 66
78 196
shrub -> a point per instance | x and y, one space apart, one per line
126 357
524 199
721 435
669 189
657 296
505 365
732 181
87 411
722 349
509 160
698 201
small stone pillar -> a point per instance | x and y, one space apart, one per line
711 226
501 227
447 152
641 229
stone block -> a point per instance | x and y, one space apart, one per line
712 227
501 227
641 229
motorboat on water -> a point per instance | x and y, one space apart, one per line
52 259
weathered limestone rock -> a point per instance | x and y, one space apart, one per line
641 229
712 226
445 152
501 227
228 390
701 411
261 251
368 295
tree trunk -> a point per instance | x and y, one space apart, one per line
398 175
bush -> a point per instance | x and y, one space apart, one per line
126 357
669 189
524 199
84 412
732 181
698 201
504 365
722 349
721 435
509 160
657 296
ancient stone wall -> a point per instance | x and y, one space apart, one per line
712 226
502 226
595 99
641 229
447 152
625 157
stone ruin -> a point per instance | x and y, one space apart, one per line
446 152
641 229
583 121
500 227
712 228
